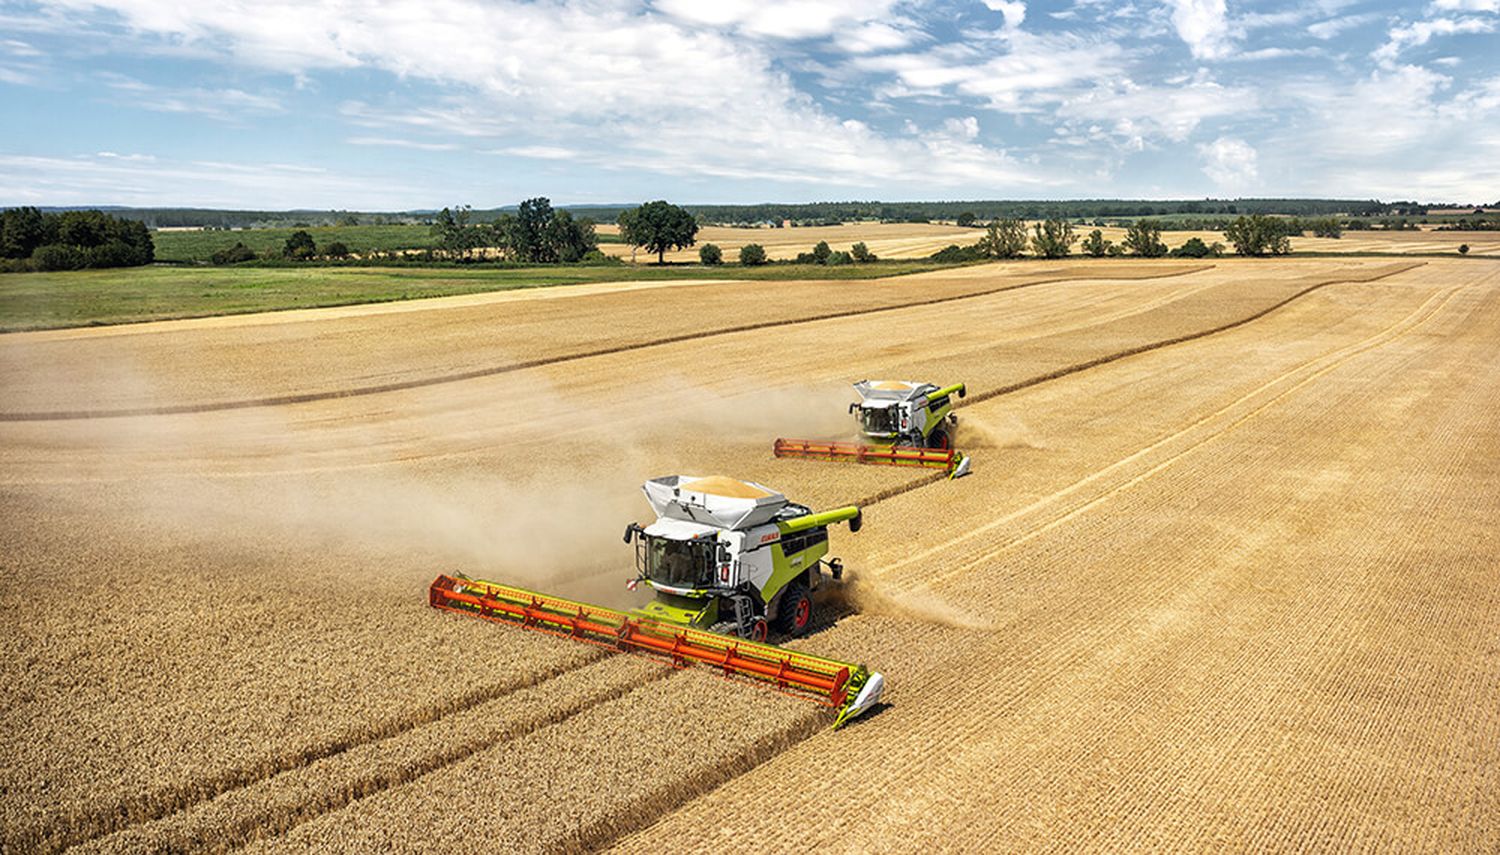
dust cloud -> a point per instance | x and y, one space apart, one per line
1002 431
763 414
868 596
404 489
406 486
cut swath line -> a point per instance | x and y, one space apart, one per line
1193 336
1316 368
155 805
1078 367
379 777
491 371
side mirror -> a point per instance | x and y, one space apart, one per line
857 522
630 531
852 408
963 391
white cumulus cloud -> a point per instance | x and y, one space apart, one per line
674 90
1204 26
1230 163
1013 11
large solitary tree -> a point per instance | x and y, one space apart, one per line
658 226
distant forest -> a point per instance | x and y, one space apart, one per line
810 213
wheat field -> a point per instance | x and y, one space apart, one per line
920 240
1224 577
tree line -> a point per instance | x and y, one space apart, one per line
1251 235
536 233
821 213
1478 223
71 240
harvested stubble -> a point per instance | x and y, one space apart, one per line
886 240
274 805
1278 640
233 360
181 673
586 780
1253 603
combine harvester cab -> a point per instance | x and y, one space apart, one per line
729 561
906 424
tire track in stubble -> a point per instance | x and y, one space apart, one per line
1075 368
1079 367
155 805
1318 366
257 814
512 367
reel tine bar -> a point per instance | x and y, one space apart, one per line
890 455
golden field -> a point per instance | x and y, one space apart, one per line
886 240
1224 577
920 240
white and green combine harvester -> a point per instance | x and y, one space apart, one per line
904 423
733 556
732 563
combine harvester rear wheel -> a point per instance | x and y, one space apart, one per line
847 689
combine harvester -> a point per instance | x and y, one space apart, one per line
724 556
908 424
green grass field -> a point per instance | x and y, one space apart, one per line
195 246
187 246
125 295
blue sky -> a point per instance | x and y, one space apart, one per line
421 103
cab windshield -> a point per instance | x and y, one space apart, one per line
678 563
878 419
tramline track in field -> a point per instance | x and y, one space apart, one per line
1299 377
509 368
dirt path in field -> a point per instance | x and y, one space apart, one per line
1170 606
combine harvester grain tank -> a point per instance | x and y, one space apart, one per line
729 561
905 423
